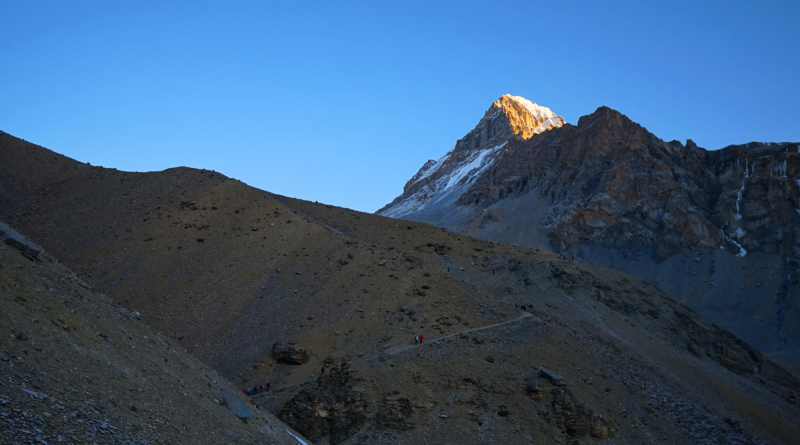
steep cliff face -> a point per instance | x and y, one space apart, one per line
612 193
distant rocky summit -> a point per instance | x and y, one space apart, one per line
719 230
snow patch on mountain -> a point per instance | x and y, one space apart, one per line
460 176
527 118
738 215
473 167
425 172
742 250
544 116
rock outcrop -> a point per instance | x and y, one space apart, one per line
332 408
287 353
12 238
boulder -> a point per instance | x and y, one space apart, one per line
552 376
286 353
334 410
232 402
19 242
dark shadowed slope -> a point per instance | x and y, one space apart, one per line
79 368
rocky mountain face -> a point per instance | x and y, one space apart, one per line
264 288
718 230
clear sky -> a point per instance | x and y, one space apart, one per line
342 102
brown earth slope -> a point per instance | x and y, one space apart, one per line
78 368
226 271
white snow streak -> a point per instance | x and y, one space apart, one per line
436 166
469 168
738 216
778 170
742 251
460 176
798 186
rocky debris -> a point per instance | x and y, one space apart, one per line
395 413
288 353
575 419
332 408
78 368
535 389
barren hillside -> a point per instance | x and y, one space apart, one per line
78 368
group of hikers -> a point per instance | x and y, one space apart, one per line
418 339
253 390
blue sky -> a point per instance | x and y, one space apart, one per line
343 103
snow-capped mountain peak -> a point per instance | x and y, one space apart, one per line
526 117
437 181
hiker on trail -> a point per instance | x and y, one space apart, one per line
268 383
322 371
523 307
420 339
416 339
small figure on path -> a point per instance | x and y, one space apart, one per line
420 339
416 340
322 371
